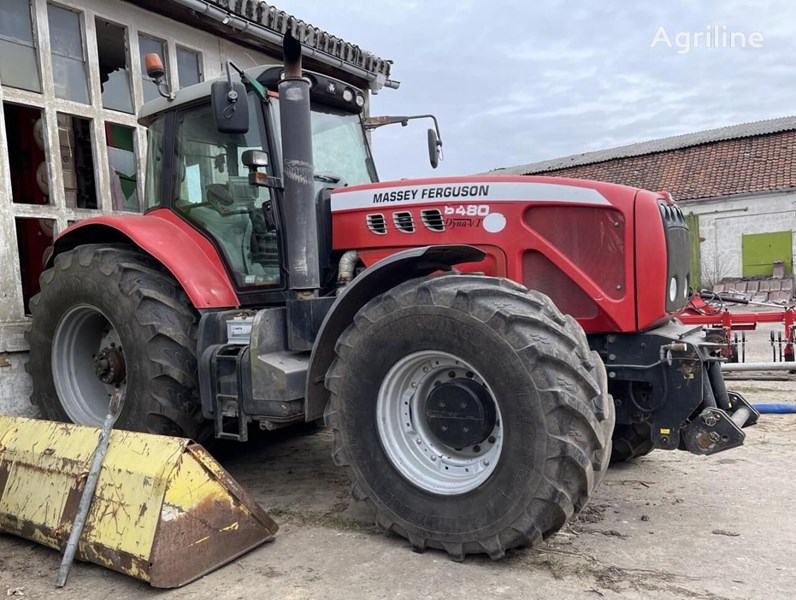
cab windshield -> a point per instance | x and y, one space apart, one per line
340 150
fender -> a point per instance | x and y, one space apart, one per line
375 280
187 254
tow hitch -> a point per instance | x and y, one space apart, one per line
716 429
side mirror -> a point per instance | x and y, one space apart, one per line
434 148
230 107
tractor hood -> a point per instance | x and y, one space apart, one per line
581 242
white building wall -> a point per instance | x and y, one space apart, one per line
14 382
724 221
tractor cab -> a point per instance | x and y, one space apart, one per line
199 171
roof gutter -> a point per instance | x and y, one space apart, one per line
377 81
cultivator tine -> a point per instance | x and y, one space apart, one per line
163 510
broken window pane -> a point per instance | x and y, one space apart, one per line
148 45
27 157
123 166
69 59
188 67
113 66
19 66
77 161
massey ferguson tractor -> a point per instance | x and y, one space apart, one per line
476 344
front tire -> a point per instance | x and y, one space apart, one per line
631 441
108 317
525 381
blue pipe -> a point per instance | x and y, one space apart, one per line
782 409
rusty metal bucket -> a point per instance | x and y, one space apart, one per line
164 510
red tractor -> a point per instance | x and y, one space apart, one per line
437 324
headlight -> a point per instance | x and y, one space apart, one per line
673 289
348 94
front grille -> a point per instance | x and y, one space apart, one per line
377 223
678 255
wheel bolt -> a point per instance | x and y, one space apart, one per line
485 462
433 458
419 441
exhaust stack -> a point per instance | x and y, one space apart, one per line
298 210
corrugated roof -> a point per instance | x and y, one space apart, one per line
676 142
270 17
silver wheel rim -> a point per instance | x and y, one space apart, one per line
413 449
82 333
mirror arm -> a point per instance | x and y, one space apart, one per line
372 123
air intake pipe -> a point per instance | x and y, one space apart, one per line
298 209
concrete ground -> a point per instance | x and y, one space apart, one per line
669 525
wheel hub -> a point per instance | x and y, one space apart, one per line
109 365
460 413
439 422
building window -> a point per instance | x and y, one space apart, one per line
114 66
69 58
19 66
77 161
150 45
123 166
30 180
189 67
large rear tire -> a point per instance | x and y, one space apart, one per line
108 317
526 447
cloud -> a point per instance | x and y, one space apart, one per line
514 82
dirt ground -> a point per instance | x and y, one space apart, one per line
670 525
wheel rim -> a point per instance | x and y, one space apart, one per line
87 364
411 439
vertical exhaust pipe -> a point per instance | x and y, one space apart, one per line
298 211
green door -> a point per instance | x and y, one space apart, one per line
760 250
692 221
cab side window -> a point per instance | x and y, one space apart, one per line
213 192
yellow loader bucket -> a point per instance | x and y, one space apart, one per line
164 510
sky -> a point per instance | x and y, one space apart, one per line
515 82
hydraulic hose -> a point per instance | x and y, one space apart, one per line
774 408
